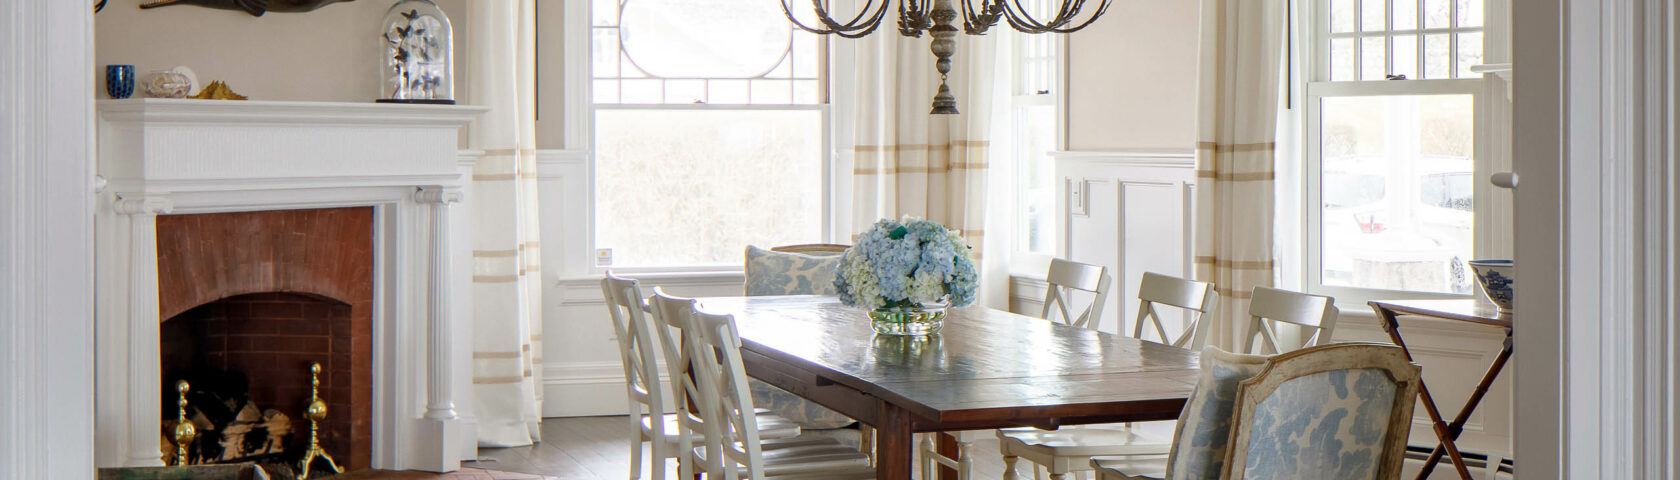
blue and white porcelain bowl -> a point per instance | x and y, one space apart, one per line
1496 277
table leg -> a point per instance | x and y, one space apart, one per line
1457 426
1391 325
948 448
895 446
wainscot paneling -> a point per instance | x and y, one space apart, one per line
1131 212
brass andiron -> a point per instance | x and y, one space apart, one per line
184 431
316 412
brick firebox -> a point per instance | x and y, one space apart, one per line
266 293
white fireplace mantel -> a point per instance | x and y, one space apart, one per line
161 156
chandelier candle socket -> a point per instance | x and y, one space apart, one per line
935 17
905 273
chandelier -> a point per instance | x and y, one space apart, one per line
918 16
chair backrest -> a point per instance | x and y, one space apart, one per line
674 317
1339 411
1269 306
726 406
1065 277
1197 298
637 347
813 248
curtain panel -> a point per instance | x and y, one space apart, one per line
909 162
1242 53
507 295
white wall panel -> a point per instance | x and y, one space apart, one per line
1132 213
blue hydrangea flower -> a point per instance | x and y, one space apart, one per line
907 261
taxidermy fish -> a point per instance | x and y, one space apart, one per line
253 7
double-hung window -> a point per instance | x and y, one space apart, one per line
710 125
1396 146
1034 88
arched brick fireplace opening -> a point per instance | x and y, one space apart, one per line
258 296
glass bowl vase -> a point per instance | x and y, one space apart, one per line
913 320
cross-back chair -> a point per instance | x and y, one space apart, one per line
1271 306
642 339
1197 298
1063 278
1069 450
638 352
734 446
1066 276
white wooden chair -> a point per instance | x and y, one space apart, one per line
1303 385
734 447
1197 298
1269 306
640 340
1070 450
1063 278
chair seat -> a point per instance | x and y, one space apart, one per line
1153 468
1090 441
769 426
808 457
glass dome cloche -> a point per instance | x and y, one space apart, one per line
419 55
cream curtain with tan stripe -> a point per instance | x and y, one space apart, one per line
507 295
1242 51
908 162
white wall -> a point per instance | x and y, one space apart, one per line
1132 78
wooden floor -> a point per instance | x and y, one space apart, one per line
599 448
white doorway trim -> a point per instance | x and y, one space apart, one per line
1594 146
46 239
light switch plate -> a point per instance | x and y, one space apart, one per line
1077 204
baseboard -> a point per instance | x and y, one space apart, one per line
585 389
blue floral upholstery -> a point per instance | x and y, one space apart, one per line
1328 425
781 273
1204 427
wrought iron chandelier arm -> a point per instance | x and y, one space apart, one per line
913 17
857 27
1019 19
976 21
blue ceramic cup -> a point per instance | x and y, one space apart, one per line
119 81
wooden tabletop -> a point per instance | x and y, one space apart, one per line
986 368
1466 310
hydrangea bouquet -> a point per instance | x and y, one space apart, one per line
906 264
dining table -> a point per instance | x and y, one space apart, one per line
985 369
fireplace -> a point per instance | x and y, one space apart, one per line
252 299
257 237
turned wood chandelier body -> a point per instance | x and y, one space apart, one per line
935 17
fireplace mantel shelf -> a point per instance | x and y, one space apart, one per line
261 112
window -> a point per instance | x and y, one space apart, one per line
710 131
1034 88
1395 143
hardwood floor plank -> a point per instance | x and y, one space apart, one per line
598 448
